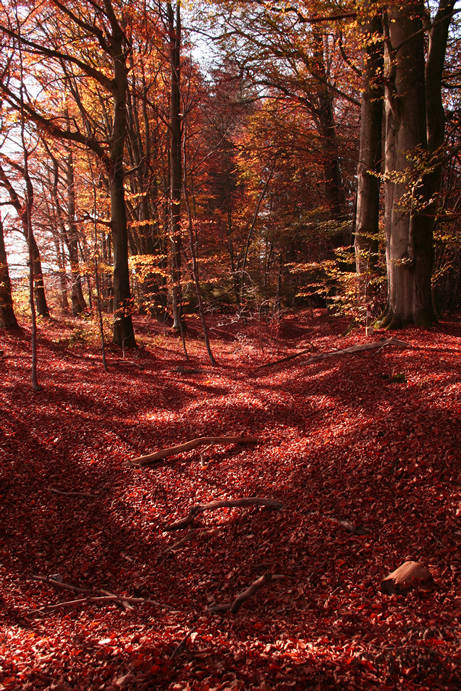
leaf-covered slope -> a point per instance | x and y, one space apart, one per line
362 451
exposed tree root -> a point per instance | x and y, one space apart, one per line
376 345
243 501
151 458
242 597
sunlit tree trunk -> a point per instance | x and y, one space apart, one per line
24 211
413 116
63 299
408 231
370 152
78 301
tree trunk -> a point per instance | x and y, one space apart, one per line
438 37
24 211
334 189
370 153
7 315
409 251
39 286
60 258
174 27
123 332
78 301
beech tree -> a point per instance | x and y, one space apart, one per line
23 208
370 149
414 134
95 26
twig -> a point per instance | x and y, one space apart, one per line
333 353
70 494
192 444
231 503
101 598
123 601
60 584
242 597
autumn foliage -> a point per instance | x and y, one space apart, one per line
221 465
360 450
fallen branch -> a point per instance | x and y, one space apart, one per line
231 503
71 494
117 599
107 596
60 584
376 345
242 597
151 458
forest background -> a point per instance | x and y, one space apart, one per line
231 156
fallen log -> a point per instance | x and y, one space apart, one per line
375 345
231 503
151 458
242 597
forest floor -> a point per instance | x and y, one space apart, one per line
361 449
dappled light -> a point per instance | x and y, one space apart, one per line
359 485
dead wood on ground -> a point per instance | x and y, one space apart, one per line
231 503
376 345
242 597
88 597
151 458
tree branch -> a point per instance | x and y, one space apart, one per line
151 458
230 503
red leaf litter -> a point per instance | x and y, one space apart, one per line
362 450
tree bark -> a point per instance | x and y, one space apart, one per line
7 315
123 332
174 28
370 153
334 188
39 286
409 251
78 301
24 212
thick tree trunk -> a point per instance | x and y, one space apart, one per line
7 315
174 27
123 332
370 154
78 301
409 250
435 124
